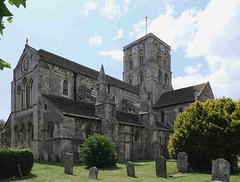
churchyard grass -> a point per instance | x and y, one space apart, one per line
144 170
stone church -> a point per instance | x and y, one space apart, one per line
57 103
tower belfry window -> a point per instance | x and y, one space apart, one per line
130 62
141 59
141 78
166 79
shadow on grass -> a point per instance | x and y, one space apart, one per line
29 176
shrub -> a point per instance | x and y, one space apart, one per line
98 151
9 159
207 131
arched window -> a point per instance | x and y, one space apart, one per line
18 101
65 87
27 95
136 136
167 138
89 131
23 129
16 133
158 58
164 63
166 79
162 138
141 78
30 92
114 99
180 110
141 59
130 62
30 131
162 116
24 84
159 76
50 131
130 79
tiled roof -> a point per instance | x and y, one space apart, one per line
127 118
80 69
179 96
67 105
163 126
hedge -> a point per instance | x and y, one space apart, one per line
11 158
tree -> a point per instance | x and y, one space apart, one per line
98 151
4 12
2 124
207 131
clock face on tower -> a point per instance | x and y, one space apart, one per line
162 47
25 63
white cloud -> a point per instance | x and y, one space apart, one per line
125 9
212 34
110 10
127 1
191 70
89 5
120 34
96 40
114 54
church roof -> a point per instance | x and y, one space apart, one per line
80 69
66 105
180 96
129 118
85 109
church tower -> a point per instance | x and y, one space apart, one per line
148 60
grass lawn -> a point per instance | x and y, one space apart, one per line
144 170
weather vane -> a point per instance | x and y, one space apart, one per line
146 24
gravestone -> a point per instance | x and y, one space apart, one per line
45 156
161 169
221 170
69 163
93 173
130 169
182 162
53 157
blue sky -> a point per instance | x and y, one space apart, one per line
204 37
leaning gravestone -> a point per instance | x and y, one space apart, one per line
161 169
53 157
93 173
69 163
45 156
130 169
221 170
182 162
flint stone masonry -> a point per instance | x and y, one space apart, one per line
161 169
182 162
93 173
130 169
69 163
221 170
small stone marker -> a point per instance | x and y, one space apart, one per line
45 156
69 163
130 169
93 173
182 162
161 169
53 157
221 170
